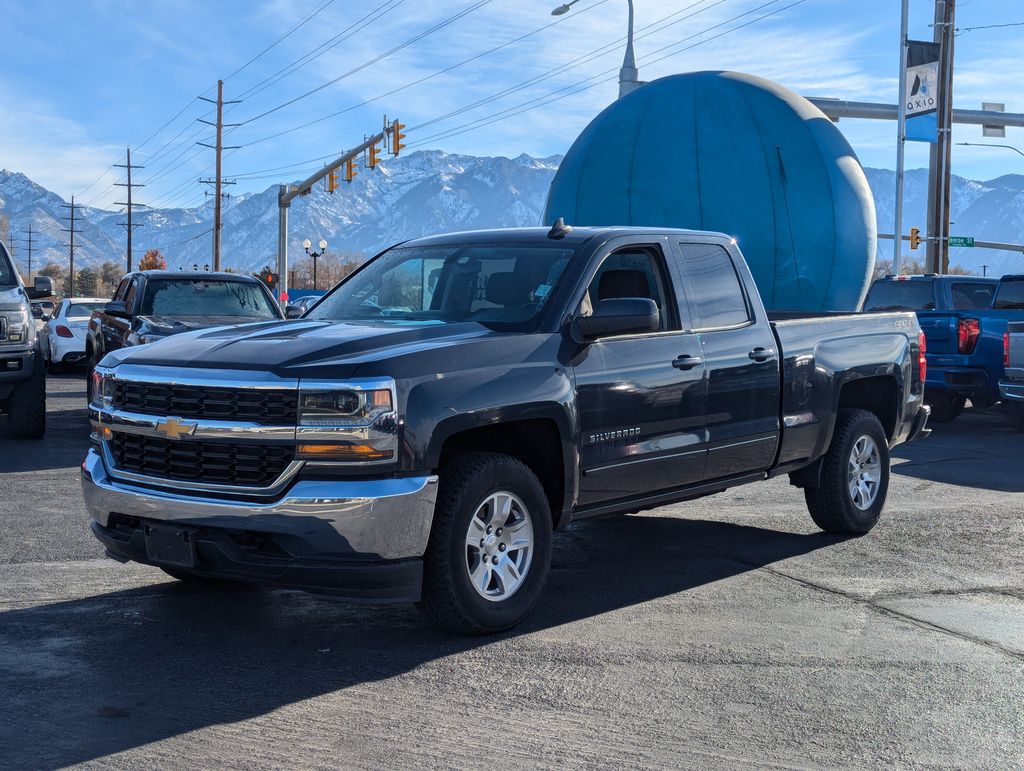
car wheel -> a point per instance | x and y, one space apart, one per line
854 476
26 406
489 552
945 407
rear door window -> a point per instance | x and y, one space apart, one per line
717 299
900 296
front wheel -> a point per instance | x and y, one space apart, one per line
26 406
490 547
854 476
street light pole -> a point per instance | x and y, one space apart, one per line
628 74
323 248
988 144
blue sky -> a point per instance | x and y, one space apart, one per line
80 80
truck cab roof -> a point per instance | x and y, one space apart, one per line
577 235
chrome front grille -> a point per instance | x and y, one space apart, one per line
242 465
257 405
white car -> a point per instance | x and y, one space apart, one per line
62 338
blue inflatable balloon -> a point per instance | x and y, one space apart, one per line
737 154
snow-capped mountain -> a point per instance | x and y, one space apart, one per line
406 197
429 192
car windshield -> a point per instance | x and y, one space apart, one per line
1010 296
7 277
900 296
82 310
504 287
206 297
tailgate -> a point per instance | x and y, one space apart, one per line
1015 362
939 329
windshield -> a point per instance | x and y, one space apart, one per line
900 296
502 287
7 277
205 297
82 310
1010 296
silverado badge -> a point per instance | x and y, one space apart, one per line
173 428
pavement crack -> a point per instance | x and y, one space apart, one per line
872 604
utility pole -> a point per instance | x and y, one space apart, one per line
218 180
28 242
901 138
71 244
940 158
129 226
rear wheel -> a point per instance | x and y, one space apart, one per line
854 476
946 407
26 406
490 547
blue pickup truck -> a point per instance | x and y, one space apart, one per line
964 319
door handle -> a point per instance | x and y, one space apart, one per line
762 354
687 362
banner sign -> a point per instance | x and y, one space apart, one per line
922 78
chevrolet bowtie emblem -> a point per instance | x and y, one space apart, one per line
175 429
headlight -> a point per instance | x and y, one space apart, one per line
19 327
102 388
352 422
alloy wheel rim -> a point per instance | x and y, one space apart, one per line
864 475
499 546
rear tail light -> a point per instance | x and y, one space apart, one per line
922 362
967 332
1006 349
63 331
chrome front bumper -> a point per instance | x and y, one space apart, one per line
384 519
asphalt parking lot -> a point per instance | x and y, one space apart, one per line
726 632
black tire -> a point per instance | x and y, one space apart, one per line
832 505
449 599
26 406
945 407
1015 415
90 365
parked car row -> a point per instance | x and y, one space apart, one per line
965 320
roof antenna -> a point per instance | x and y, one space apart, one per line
559 229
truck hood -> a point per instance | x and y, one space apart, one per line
298 348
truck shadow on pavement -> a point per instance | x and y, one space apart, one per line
978 450
87 678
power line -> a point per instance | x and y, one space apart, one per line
281 39
990 26
550 98
416 38
425 78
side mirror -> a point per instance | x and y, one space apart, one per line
621 316
117 308
37 313
292 311
42 286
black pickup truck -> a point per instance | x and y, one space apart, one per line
149 305
419 433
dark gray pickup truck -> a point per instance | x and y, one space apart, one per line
419 434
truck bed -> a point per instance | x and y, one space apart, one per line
820 353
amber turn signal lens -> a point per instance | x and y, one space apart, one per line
346 452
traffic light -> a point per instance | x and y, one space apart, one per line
332 180
396 137
271 280
350 169
915 238
374 157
